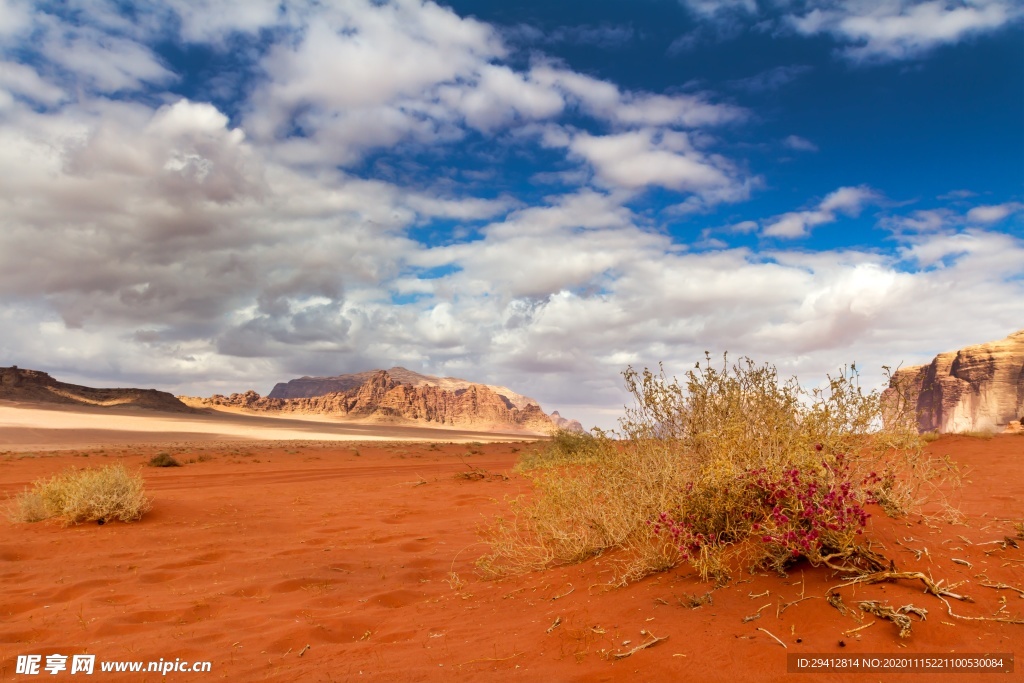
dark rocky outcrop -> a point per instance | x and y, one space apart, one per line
17 384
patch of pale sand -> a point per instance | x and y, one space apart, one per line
42 426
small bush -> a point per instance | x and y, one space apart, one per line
564 448
734 466
75 496
163 460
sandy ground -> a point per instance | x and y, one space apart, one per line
41 426
318 561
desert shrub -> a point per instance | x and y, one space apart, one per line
27 507
163 459
564 447
76 496
733 466
985 434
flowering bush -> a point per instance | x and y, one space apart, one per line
733 465
814 513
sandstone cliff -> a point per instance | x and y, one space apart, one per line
566 424
17 384
381 398
978 388
307 387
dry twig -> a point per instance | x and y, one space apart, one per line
642 646
773 636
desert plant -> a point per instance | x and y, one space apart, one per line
75 496
163 459
563 448
733 465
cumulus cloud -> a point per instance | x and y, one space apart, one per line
642 158
846 200
153 239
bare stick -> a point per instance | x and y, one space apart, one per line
491 659
1003 586
304 650
643 646
859 628
790 604
773 636
571 589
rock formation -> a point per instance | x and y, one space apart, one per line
382 398
307 387
978 388
17 384
566 424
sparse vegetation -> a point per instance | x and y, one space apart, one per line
732 468
76 496
163 459
978 433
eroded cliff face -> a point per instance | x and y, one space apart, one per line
978 388
308 387
382 398
19 384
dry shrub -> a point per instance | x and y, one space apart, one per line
76 496
164 459
731 467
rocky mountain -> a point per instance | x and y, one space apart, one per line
307 387
978 388
382 398
566 424
17 384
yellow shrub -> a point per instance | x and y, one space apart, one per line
733 464
75 496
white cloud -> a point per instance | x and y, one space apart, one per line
845 200
14 17
800 144
106 62
25 81
607 102
994 213
643 158
902 29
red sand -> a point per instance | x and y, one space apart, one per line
350 549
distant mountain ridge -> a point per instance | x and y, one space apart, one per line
382 398
19 384
308 387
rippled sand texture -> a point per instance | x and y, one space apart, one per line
364 552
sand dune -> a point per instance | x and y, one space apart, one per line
40 426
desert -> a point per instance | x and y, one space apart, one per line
471 340
364 553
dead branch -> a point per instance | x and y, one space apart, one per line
773 636
642 646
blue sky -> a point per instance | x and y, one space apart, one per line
208 196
